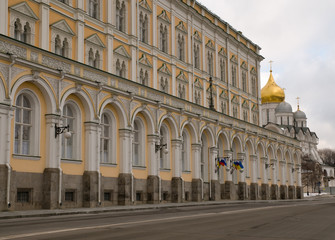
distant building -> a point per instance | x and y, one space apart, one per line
131 79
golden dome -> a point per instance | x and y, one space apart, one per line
271 92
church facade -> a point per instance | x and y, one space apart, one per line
106 102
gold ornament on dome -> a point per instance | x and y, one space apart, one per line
271 92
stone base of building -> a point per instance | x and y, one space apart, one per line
229 190
254 191
4 203
242 190
90 189
265 191
176 190
215 190
51 188
196 190
153 189
300 192
274 192
124 188
283 192
291 192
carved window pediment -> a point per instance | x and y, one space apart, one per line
255 108
224 94
164 69
214 91
253 71
181 27
144 4
244 65
181 77
210 44
145 61
233 59
163 16
95 40
245 104
120 50
222 52
197 84
24 9
197 37
234 99
63 26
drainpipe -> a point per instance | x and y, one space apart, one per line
60 186
182 188
202 189
159 188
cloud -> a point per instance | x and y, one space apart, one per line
298 36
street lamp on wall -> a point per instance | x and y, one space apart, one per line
60 130
159 147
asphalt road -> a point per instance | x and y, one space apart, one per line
249 221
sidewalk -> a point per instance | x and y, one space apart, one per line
72 211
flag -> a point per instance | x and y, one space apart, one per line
241 165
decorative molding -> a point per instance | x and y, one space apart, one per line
245 104
234 99
144 4
56 64
6 48
244 65
94 39
23 8
210 45
95 77
181 27
181 77
233 59
144 61
164 69
196 36
63 26
120 50
253 71
163 15
222 52
223 94
197 84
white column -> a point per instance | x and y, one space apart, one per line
283 175
53 143
264 161
229 154
274 171
189 41
196 160
6 115
253 161
109 11
176 156
203 57
155 79
173 34
290 166
4 17
153 155
213 152
125 141
258 67
80 4
154 24
174 80
133 64
241 157
80 37
133 16
44 27
91 146
110 53
230 113
298 175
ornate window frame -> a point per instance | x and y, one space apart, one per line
111 151
94 44
121 61
64 31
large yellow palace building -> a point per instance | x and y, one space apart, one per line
130 79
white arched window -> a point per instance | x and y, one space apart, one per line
222 70
138 143
210 63
26 135
91 58
93 8
18 30
185 149
107 139
163 33
65 48
58 45
196 56
233 75
27 33
71 117
181 47
144 27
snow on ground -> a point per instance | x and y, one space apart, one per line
314 194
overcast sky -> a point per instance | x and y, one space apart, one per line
299 36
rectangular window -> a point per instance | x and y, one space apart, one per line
69 196
139 196
107 196
23 195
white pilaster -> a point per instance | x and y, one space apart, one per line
196 160
4 17
283 175
290 166
298 175
53 143
230 112
80 54
253 161
44 27
110 53
264 161
274 171
176 156
258 67
173 34
153 156
125 161
133 15
133 64
109 10
154 23
80 4
229 154
6 115
154 74
213 152
91 146
174 87
241 157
